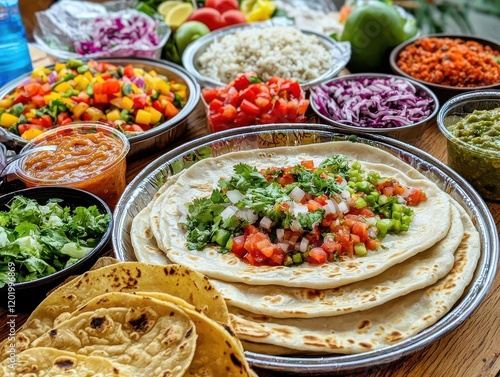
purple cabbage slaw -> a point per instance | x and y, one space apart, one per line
373 102
123 35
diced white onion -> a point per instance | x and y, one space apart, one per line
406 192
331 207
234 196
371 221
280 233
228 212
343 207
297 194
283 246
345 194
265 222
247 214
299 208
372 232
401 200
329 238
304 244
295 226
343 183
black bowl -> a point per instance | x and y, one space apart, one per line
443 92
24 296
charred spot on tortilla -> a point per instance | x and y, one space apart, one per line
394 337
64 363
96 322
236 361
365 323
189 333
365 345
228 329
53 333
142 323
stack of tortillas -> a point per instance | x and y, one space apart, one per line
129 319
350 306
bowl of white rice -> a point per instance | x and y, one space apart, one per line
267 49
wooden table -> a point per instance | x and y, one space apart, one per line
472 349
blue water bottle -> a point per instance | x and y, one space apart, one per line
14 53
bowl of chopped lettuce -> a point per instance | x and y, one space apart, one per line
48 234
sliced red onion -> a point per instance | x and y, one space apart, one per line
372 102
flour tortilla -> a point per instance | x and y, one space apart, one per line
51 362
418 272
284 302
177 280
143 336
374 328
431 222
217 348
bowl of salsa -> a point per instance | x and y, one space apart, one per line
89 156
471 124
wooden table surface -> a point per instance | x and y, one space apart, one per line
472 349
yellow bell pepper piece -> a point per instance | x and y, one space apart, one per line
6 103
49 97
62 87
155 115
88 76
143 117
8 120
113 115
68 102
153 73
79 109
150 81
99 79
59 66
127 103
163 86
31 134
258 10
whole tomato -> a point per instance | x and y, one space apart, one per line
208 16
222 5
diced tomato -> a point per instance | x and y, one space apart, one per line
241 82
278 256
97 88
32 89
44 89
372 244
22 98
238 247
313 205
133 128
331 247
22 128
216 105
249 95
317 256
388 191
140 101
360 229
101 99
157 106
292 87
170 110
128 70
111 86
210 94
415 197
62 117
285 180
308 164
38 100
229 112
46 121
250 229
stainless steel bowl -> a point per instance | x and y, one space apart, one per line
142 189
146 142
340 51
410 133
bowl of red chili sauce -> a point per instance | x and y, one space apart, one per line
449 64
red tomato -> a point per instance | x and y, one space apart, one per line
249 107
415 197
133 128
360 229
222 5
128 71
32 89
22 128
111 86
234 17
208 16
38 100
62 118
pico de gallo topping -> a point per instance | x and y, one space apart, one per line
131 99
248 100
301 214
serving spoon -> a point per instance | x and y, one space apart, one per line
49 148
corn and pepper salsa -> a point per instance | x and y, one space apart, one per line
130 99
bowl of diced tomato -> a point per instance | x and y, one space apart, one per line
148 100
248 100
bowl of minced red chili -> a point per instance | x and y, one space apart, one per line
449 64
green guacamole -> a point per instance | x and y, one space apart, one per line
479 167
481 128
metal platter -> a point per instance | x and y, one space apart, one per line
340 51
141 190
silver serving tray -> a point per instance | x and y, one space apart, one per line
146 142
340 51
141 190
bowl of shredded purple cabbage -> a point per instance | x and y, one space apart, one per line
375 103
124 33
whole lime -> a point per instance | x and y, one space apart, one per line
373 29
188 32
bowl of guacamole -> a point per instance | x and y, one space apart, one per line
471 124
